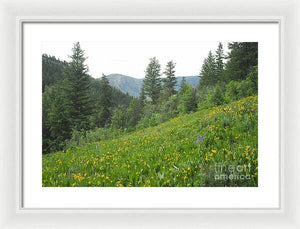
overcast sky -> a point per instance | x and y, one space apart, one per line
131 58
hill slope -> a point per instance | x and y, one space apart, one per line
133 86
184 151
126 84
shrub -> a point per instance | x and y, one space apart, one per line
217 98
253 78
146 122
187 100
245 88
169 108
98 134
232 91
119 118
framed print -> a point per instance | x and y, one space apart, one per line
177 118
150 125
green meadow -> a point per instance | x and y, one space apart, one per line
211 147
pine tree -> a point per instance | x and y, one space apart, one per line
105 101
241 59
220 63
46 104
208 73
170 81
142 97
187 101
134 112
152 81
182 84
52 69
119 118
59 119
77 89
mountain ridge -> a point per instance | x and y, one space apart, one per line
132 85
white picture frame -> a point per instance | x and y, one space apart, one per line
13 14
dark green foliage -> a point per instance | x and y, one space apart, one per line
232 91
170 81
77 89
128 118
246 88
106 99
236 79
117 96
253 78
169 108
187 99
52 70
134 112
208 72
152 81
164 95
74 101
236 90
182 84
142 97
119 118
103 102
47 99
220 63
217 97
241 59
66 99
56 119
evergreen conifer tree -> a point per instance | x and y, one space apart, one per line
59 119
152 81
77 89
241 59
208 72
105 101
142 96
182 84
170 81
220 63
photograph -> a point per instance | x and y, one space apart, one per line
149 113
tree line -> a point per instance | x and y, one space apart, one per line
77 106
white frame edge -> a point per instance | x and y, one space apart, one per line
12 216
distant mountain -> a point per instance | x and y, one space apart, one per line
133 86
126 84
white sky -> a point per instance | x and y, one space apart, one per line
132 57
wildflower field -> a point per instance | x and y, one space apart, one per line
208 148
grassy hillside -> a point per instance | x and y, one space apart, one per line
204 148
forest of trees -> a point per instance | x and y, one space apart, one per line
78 106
